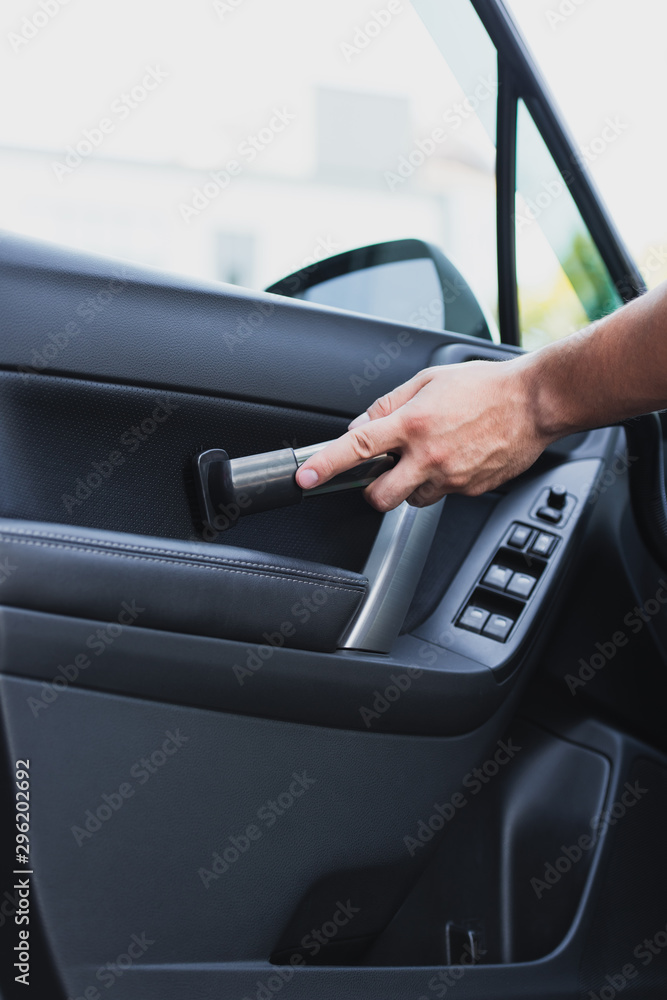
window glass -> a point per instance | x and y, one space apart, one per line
391 289
243 139
604 61
563 282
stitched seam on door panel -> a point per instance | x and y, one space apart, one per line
223 560
284 574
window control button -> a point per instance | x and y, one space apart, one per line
543 544
549 514
498 627
519 536
473 618
497 576
521 584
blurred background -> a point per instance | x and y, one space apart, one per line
242 140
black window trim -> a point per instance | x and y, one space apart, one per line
519 77
506 135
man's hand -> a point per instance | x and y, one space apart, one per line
463 428
468 428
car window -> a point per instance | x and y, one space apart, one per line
243 139
614 110
563 282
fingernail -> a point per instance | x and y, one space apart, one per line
307 478
358 421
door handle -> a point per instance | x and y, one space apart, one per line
229 488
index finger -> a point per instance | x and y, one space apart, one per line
355 446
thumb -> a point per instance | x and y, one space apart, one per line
387 404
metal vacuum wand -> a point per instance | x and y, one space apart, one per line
229 488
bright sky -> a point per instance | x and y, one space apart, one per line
604 59
607 58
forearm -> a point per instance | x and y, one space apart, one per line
467 428
614 369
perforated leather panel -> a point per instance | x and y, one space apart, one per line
119 458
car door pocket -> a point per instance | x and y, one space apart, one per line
207 590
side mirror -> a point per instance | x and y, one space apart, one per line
408 281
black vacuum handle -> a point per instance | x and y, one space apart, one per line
229 488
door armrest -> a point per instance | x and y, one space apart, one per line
197 588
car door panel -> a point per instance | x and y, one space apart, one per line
136 325
187 808
91 535
101 470
235 790
211 790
